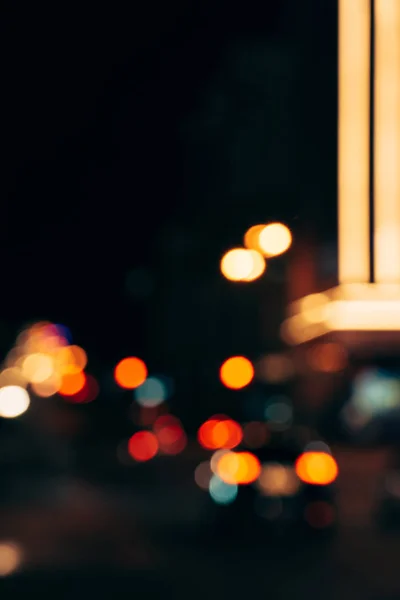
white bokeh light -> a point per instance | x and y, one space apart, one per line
14 401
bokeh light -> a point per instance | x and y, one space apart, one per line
278 480
10 558
143 446
255 434
64 332
316 468
87 393
237 264
221 492
259 266
205 434
274 368
215 460
165 421
48 387
12 376
317 446
14 401
171 438
279 413
151 393
227 434
236 372
147 416
220 433
274 239
72 383
328 358
37 367
130 373
71 359
202 475
251 237
238 468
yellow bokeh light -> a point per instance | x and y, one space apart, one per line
14 401
251 237
70 359
37 367
48 387
238 468
10 558
278 480
259 266
274 239
237 264
13 357
316 468
12 376
216 458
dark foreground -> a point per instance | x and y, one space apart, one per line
147 540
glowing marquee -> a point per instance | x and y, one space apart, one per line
368 295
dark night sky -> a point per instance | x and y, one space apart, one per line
94 160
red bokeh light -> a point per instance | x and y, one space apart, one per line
143 446
172 439
220 433
88 393
166 421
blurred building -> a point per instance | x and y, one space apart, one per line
337 324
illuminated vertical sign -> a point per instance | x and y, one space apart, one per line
368 178
354 140
387 141
354 56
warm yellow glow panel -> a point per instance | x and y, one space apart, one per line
387 141
353 140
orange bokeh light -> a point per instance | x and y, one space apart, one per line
238 468
227 434
220 433
88 393
72 383
205 434
236 372
71 359
143 446
316 468
130 373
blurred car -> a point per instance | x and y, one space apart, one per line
293 493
